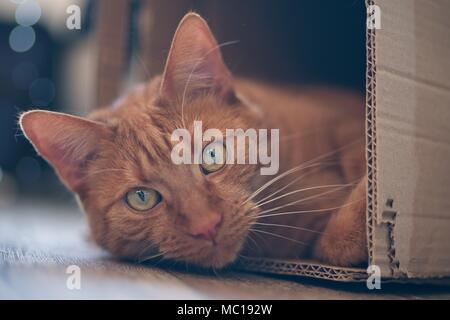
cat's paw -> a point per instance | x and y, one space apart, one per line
345 251
344 241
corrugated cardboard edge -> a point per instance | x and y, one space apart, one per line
371 137
302 268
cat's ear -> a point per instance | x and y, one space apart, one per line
65 141
194 65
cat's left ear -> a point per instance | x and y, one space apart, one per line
195 65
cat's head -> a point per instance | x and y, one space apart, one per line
118 160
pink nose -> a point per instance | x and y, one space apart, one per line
206 229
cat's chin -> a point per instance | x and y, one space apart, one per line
217 261
217 257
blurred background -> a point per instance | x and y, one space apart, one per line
47 63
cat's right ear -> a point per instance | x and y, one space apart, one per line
65 141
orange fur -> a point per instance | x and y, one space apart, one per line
129 145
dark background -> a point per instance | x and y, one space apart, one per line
304 42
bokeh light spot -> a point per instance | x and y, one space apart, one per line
22 38
28 13
42 92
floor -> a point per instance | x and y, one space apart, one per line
39 242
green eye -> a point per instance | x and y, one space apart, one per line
142 199
214 157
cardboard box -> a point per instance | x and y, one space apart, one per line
408 147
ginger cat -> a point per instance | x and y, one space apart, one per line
141 205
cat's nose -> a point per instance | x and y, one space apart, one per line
207 228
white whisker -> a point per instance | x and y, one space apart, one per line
301 190
279 177
287 226
279 236
292 182
304 165
309 211
254 242
160 254
306 199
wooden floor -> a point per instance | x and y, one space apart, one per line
38 242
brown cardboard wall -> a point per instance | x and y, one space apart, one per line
412 106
